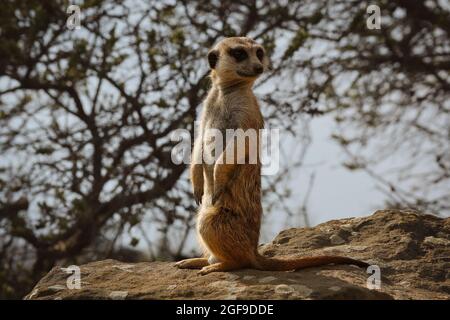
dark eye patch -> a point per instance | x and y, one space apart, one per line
238 54
260 54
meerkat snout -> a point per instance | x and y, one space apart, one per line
237 59
258 68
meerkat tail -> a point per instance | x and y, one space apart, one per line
277 264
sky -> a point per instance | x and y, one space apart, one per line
337 192
340 193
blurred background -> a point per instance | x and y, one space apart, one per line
87 113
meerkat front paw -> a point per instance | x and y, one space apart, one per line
197 182
198 195
218 191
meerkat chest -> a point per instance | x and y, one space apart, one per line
228 113
216 123
219 119
219 116
222 117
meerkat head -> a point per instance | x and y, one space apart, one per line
237 59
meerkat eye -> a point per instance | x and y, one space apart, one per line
260 54
239 54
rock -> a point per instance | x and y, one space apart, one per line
56 288
411 250
118 295
267 279
335 239
347 227
437 241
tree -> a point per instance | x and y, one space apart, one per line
86 118
387 88
86 115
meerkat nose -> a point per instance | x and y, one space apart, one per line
258 69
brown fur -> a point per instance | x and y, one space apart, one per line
229 218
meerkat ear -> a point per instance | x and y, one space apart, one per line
213 56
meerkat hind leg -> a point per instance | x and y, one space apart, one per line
193 263
218 267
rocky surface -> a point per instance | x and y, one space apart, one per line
411 249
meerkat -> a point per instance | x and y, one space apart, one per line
229 194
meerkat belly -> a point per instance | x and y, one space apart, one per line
214 142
